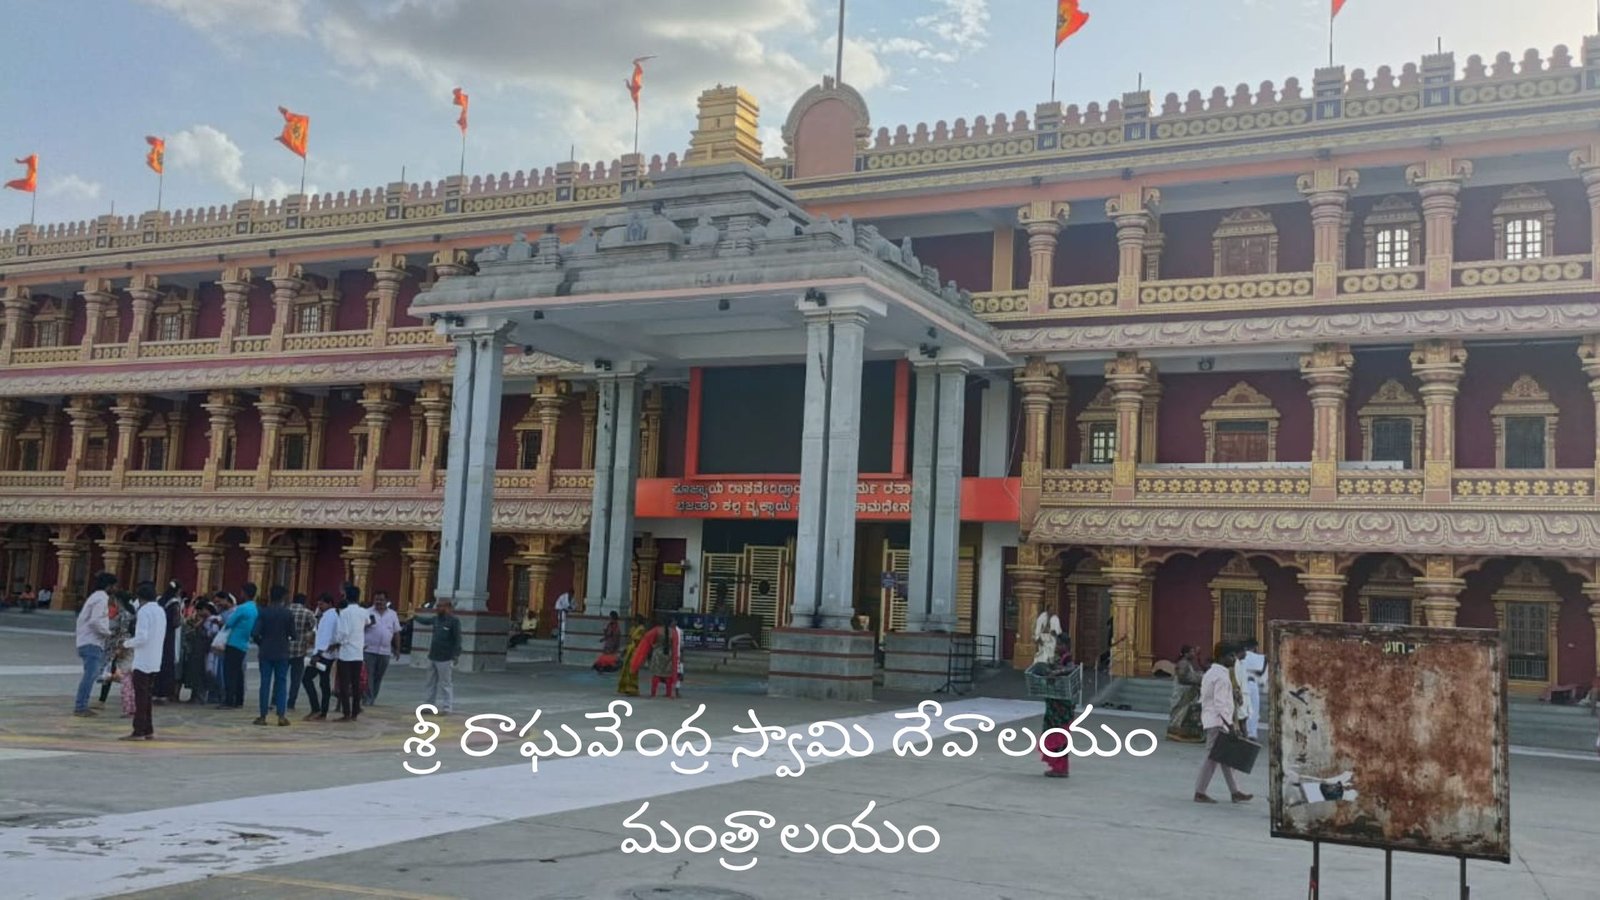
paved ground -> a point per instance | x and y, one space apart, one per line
220 808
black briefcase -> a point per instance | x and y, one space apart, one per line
1235 752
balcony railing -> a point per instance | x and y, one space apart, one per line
571 483
1396 484
34 356
1078 484
1359 283
168 349
1257 483
1575 485
1549 275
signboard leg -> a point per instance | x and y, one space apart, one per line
1388 875
1465 891
1316 863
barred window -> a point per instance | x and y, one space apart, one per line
1102 442
1525 442
1239 614
308 319
169 327
1524 238
1394 248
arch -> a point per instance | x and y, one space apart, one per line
825 130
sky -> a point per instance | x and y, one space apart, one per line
88 79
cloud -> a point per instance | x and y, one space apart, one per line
211 153
232 16
72 187
964 24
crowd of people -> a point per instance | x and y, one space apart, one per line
157 646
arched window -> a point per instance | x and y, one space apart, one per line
1391 426
1246 243
50 326
1389 596
1238 603
1524 224
1526 607
1525 427
1241 427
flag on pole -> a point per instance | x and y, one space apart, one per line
460 99
1069 18
29 182
636 83
1337 5
296 132
156 159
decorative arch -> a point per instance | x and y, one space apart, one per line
1392 402
50 325
173 318
1238 602
1524 224
1245 243
1524 418
1527 608
1389 595
1241 410
818 147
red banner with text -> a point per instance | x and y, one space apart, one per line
982 499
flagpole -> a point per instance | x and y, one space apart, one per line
463 171
1332 15
636 129
1055 56
33 205
838 57
304 158
161 179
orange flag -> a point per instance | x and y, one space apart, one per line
156 159
29 182
1069 18
636 83
1337 5
296 131
460 99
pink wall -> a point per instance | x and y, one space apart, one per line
338 448
1187 396
966 259
351 313
1491 370
196 436
825 142
247 437
260 307
396 450
208 311
1086 254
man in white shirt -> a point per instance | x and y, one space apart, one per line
94 628
148 641
350 647
563 606
1252 674
1217 714
321 659
381 642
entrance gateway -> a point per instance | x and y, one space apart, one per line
713 274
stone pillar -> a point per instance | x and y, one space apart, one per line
235 286
1438 181
208 552
1438 365
287 281
936 495
1328 190
1058 455
1043 220
548 402
1002 276
258 559
434 398
274 409
1327 370
534 552
377 401
422 561
644 574
1591 592
18 304
359 554
1128 376
97 298
388 271
1589 353
84 414
114 556
649 433
130 413
1439 600
591 412
1036 380
144 291
1586 162
1028 582
1324 586
1133 212
615 476
469 493
10 418
68 551
221 408
1127 588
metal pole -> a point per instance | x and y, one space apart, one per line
463 170
161 180
1388 874
1330 39
1314 891
1055 56
1465 891
838 59
303 161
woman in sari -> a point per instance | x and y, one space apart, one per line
1057 714
660 651
628 681
1183 720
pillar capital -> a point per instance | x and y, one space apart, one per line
287 278
1128 376
379 403
1440 176
1324 583
449 262
1328 188
273 406
235 280
1036 378
1043 216
1439 365
388 268
1327 369
144 289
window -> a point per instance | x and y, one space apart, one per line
47 333
1391 441
1102 442
1527 634
1525 442
1391 611
1238 602
1242 442
1393 249
1245 243
110 329
1524 239
30 454
283 573
95 455
521 589
528 449
1238 614
144 567
308 319
361 450
1241 426
169 327
154 455
293 455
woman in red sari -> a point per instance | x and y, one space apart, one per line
1057 714
661 649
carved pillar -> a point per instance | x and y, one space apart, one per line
1028 581
1438 181
10 418
649 433
578 549
144 292
644 565
97 298
378 402
1589 352
1591 591
68 551
273 408
287 280
208 552
1328 190
388 271
1035 380
1587 164
130 413
305 551
258 558
1324 588
1127 376
221 409
548 401
434 399
316 424
84 414
114 555
1057 453
1127 589
359 554
591 414
1327 370
1439 365
235 285
1043 220
1134 215
18 304
422 557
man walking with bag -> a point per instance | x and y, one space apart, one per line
1218 711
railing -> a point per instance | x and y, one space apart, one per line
316 479
408 337
1398 483
1376 282
572 480
327 340
1088 296
398 480
1540 484
564 483
161 349
29 356
251 344
1288 288
109 351
1549 273
236 481
166 481
94 479
32 480
1078 483
1001 304
1263 483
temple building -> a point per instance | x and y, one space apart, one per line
1170 367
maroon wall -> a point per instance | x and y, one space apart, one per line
1492 369
569 433
396 450
196 437
1182 608
674 433
1189 253
1575 661
208 310
351 313
1475 221
1185 397
247 438
260 316
966 259
327 568
338 448
409 288
512 408
1086 254
1372 368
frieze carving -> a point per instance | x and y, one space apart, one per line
549 515
1459 322
1335 530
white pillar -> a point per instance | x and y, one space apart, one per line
994 441
997 536
936 494
615 472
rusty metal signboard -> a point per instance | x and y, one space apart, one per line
1390 737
